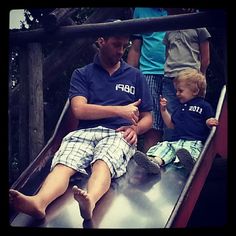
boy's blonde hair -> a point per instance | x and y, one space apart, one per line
194 80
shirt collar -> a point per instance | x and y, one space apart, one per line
194 100
123 64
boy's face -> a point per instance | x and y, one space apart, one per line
183 92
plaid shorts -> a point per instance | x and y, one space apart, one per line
81 148
167 150
155 85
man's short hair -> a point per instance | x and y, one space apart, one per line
111 32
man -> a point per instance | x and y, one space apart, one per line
148 54
111 101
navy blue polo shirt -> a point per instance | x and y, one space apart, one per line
190 119
123 87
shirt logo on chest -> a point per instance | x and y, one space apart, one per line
195 109
126 88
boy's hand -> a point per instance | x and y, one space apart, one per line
212 122
163 103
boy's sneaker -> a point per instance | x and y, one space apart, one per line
147 163
185 159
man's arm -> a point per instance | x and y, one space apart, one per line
131 132
134 53
204 56
84 111
167 52
144 123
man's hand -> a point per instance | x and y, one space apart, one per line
129 134
130 112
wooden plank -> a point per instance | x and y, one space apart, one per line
174 22
23 100
36 109
58 17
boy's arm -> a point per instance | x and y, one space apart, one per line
165 114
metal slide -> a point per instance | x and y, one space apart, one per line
136 200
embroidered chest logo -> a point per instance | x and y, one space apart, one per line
195 109
126 88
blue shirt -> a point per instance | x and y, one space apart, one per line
123 87
190 119
152 58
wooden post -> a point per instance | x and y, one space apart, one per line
57 17
13 122
23 110
36 111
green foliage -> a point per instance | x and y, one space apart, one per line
34 16
82 15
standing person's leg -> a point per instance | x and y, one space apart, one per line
169 92
54 186
154 135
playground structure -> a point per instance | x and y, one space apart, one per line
136 200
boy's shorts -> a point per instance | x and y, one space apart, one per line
167 150
81 148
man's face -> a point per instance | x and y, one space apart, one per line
113 48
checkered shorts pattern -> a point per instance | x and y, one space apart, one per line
80 148
167 150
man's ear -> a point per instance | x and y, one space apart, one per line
100 41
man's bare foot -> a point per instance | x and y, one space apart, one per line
25 204
85 204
